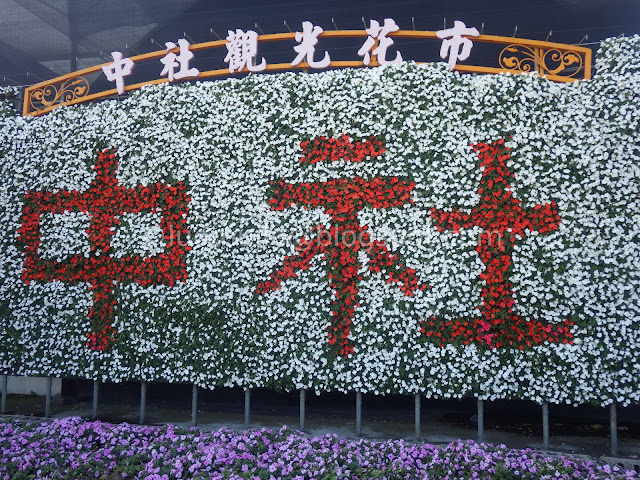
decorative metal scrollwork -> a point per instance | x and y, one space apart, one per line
68 91
521 58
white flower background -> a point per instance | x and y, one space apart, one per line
575 144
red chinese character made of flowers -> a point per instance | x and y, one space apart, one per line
342 199
503 220
103 202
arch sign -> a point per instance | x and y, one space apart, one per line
558 62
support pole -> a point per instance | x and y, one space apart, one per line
417 415
143 401
94 414
358 413
545 425
194 405
614 428
47 399
247 406
303 397
480 420
5 392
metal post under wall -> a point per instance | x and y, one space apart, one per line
358 413
480 420
94 413
143 400
545 425
5 392
417 416
194 405
303 395
614 428
47 399
247 406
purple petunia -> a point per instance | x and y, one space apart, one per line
73 448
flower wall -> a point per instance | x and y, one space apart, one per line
392 230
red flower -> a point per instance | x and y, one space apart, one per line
499 214
103 201
342 199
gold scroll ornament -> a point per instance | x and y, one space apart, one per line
521 58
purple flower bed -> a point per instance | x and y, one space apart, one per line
75 449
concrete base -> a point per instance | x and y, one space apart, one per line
626 463
32 386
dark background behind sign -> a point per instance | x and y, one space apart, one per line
42 39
